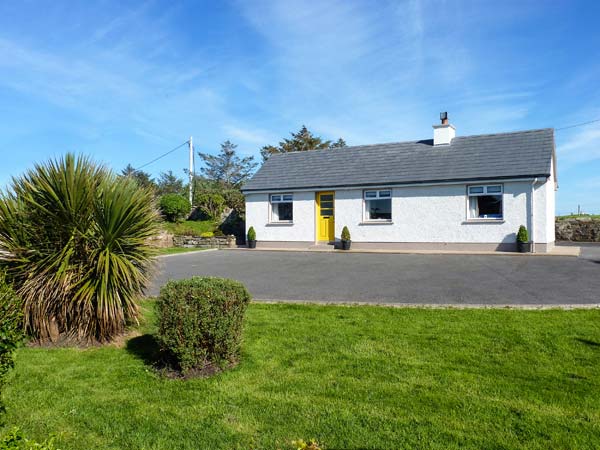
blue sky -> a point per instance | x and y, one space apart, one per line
127 81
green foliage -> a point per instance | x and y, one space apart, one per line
15 440
301 141
227 167
11 326
174 207
211 204
143 179
345 234
251 234
190 227
169 183
200 321
235 200
73 242
523 234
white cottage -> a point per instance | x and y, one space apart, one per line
449 192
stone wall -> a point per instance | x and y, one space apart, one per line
161 240
582 229
204 242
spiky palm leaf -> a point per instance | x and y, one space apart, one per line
73 240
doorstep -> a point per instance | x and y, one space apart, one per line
572 251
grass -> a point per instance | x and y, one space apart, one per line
351 377
190 227
177 250
579 216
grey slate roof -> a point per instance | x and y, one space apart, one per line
519 154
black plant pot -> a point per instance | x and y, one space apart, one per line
252 244
346 245
524 247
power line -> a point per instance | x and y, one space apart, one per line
578 125
162 156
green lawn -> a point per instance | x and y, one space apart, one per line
190 227
352 377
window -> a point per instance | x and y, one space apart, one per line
485 202
282 208
378 205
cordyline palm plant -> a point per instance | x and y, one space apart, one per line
73 242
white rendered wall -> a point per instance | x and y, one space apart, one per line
302 229
439 214
419 214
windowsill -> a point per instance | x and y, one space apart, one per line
279 224
377 222
470 221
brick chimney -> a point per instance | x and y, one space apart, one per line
443 133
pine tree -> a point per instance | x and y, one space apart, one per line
227 168
301 141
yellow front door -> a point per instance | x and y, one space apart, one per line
325 217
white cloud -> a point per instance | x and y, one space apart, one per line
582 145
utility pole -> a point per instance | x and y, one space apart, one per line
191 193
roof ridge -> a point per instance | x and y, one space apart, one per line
417 141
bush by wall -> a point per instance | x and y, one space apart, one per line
211 204
200 322
174 207
11 326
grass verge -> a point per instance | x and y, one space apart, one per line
351 377
190 227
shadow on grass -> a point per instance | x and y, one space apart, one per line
588 342
146 348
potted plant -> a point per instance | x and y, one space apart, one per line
346 239
251 238
523 244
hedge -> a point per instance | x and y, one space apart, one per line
200 322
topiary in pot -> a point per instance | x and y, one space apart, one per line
346 241
523 244
251 238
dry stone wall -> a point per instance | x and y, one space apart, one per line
582 229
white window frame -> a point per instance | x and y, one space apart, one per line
378 196
485 191
280 198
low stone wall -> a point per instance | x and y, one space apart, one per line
582 229
161 240
204 242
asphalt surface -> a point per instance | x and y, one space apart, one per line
398 278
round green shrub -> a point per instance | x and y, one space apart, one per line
174 207
11 326
523 234
200 322
251 234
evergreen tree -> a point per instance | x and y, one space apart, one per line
169 183
227 168
143 179
301 141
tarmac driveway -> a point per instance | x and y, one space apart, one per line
398 278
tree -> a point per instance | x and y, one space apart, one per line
73 243
301 141
227 168
143 179
169 183
340 143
